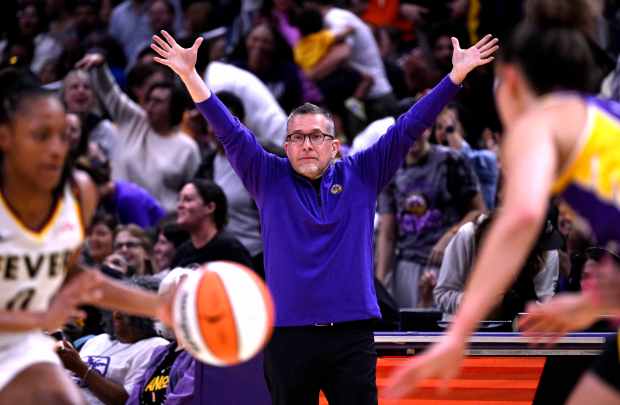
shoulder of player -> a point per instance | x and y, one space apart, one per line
86 194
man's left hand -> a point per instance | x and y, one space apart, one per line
466 60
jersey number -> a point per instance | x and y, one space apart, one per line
21 300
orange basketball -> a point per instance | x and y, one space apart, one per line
223 313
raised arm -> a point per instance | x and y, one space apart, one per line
247 157
121 108
378 163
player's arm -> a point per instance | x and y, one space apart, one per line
112 294
529 153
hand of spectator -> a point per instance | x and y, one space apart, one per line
90 61
428 281
443 360
70 358
84 288
181 60
466 60
436 255
547 322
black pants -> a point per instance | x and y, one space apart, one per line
607 365
340 360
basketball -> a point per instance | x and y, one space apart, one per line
223 313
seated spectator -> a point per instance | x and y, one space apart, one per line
128 202
79 98
99 239
133 244
449 132
152 152
116 266
536 281
203 212
108 366
169 237
169 375
80 330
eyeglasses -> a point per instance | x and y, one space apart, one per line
316 138
128 245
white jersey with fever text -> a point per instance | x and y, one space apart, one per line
33 264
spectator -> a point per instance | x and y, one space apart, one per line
170 237
100 240
32 34
152 152
142 76
431 196
537 280
108 366
203 212
362 54
281 13
79 98
266 54
168 377
316 45
243 219
264 116
129 26
449 132
128 202
133 244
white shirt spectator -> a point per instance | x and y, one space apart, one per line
263 115
365 54
159 164
457 265
123 363
371 134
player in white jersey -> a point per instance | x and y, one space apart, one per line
43 206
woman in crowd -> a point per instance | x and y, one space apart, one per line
132 242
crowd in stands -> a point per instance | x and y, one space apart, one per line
170 198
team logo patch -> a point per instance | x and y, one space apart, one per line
336 189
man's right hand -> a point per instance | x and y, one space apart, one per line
181 60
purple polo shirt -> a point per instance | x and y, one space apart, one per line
319 249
